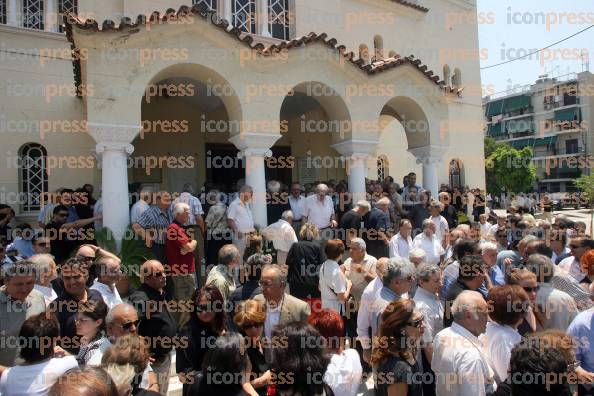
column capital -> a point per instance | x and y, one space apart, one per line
255 143
102 147
113 133
428 154
356 148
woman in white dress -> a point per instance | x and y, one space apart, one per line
335 288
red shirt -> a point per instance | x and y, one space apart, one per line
181 264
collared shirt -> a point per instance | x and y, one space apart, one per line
399 246
566 252
405 192
49 294
111 297
364 317
583 333
181 264
195 206
155 219
272 317
317 212
563 281
241 214
441 227
572 266
432 309
557 307
220 277
22 246
358 278
297 206
460 365
498 342
332 281
431 246
281 234
216 219
383 298
496 275
12 315
137 210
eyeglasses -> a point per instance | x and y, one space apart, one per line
252 325
43 244
575 247
416 323
156 274
128 325
86 258
202 308
531 289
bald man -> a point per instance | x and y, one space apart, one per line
156 321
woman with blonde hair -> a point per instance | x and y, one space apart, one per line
527 281
249 318
395 350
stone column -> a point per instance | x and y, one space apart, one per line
431 158
226 10
357 153
255 147
51 15
13 13
262 27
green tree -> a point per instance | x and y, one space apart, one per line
508 169
585 184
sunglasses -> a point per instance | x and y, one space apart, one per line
128 325
202 308
575 247
44 244
252 325
417 323
531 289
157 274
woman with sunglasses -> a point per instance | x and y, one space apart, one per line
249 319
205 324
395 352
90 326
532 318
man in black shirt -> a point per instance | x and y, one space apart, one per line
157 324
471 277
64 237
377 228
350 223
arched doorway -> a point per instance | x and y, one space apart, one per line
455 172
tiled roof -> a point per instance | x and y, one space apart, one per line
71 20
412 5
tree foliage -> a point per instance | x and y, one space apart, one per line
507 169
585 184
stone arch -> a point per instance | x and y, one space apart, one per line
412 118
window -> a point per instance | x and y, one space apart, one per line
210 4
3 12
278 18
382 167
446 75
571 146
364 53
65 6
33 14
243 15
378 46
455 174
33 175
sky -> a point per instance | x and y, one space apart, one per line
511 28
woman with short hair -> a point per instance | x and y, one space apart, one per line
90 325
335 288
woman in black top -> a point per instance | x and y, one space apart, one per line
249 318
395 357
205 324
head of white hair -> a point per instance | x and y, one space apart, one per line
42 263
321 188
364 204
398 268
287 214
273 186
359 243
122 375
467 301
117 308
180 208
417 253
486 246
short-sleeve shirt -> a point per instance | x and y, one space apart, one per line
35 379
181 264
431 246
332 282
397 370
441 226
318 213
241 214
155 219
194 204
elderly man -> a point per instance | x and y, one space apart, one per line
141 205
281 308
401 244
276 201
429 304
18 301
397 281
46 272
74 274
377 224
152 225
108 271
282 235
222 276
471 277
577 247
240 218
458 359
319 210
157 324
489 253
180 247
429 243
350 222
296 201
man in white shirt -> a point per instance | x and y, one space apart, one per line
282 236
108 273
501 224
141 205
45 272
296 201
240 219
429 304
364 316
577 247
319 210
458 360
429 243
442 229
401 244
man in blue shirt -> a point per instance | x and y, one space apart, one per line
582 332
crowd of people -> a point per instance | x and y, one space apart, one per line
419 293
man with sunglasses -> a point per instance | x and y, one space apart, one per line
157 323
577 247
41 243
64 236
